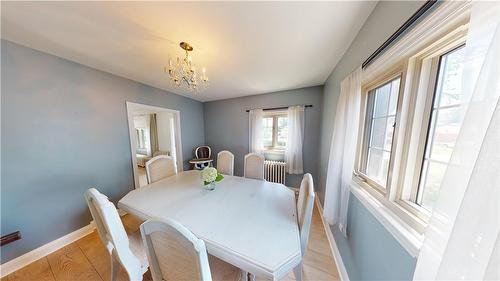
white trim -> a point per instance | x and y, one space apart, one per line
133 145
38 253
43 251
447 16
121 213
333 246
405 234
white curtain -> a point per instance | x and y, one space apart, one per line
462 239
153 134
255 134
343 151
293 152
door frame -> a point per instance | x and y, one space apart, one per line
132 106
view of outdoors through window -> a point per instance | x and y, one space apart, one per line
268 131
282 132
275 132
383 102
445 122
141 138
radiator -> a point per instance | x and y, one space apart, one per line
274 171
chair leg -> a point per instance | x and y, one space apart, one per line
244 275
115 266
298 272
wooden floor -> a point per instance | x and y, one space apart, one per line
87 260
141 171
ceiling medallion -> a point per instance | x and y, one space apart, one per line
184 74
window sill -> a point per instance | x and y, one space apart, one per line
409 238
276 152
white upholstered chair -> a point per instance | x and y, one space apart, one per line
124 250
174 252
254 166
225 162
305 204
160 167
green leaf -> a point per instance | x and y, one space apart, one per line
206 182
219 177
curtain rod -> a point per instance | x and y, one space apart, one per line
278 108
427 5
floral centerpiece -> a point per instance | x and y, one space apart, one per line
210 176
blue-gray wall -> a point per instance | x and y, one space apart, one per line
64 129
369 252
226 125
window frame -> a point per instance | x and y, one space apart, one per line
418 74
364 133
407 193
274 148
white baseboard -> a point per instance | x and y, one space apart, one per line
121 212
333 246
38 253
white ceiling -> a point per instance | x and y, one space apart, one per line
247 47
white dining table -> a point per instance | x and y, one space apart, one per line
251 224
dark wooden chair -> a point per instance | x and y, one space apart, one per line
203 157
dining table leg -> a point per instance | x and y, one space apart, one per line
297 271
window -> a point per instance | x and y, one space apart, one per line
445 120
141 140
379 129
412 113
275 131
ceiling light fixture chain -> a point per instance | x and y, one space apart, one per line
184 73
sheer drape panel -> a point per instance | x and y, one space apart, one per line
255 127
461 241
293 151
343 151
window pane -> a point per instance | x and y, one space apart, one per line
378 133
268 132
446 133
381 132
431 184
446 119
449 87
141 138
382 96
378 165
389 130
394 97
282 136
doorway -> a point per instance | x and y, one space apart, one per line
153 131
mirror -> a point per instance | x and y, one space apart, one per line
153 131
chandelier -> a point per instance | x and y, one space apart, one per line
184 72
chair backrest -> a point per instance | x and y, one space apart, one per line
225 163
203 151
174 252
254 166
160 167
305 204
111 231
